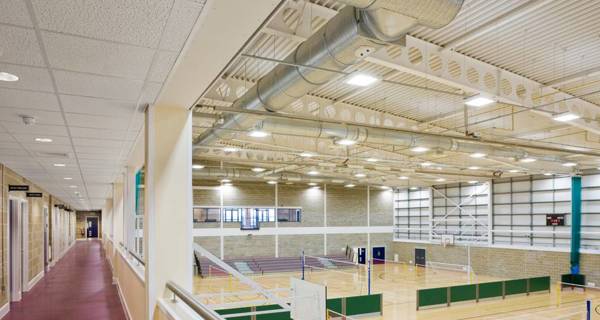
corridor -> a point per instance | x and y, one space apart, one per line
79 286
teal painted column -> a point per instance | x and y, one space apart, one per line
575 223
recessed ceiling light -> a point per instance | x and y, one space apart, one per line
473 181
478 101
384 187
312 184
313 172
513 171
9 77
345 142
272 182
426 164
477 155
361 79
43 140
528 160
68 178
403 178
360 175
548 173
372 160
230 149
258 169
419 149
258 133
306 154
60 165
197 166
566 116
350 185
569 164
225 180
440 179
473 168
414 188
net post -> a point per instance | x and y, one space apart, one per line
302 260
369 276
588 306
558 289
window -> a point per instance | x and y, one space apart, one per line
250 219
231 215
139 213
265 214
288 214
207 215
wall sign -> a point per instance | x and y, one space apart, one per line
555 219
13 187
34 194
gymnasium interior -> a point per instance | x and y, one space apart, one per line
300 159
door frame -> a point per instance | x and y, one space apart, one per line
46 221
24 251
97 226
415 253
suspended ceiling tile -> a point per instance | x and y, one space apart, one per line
20 46
27 138
100 143
135 22
15 127
96 106
28 99
30 78
183 16
41 117
77 132
97 86
97 150
94 56
98 122
150 93
162 65
14 12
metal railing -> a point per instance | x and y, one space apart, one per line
136 257
205 312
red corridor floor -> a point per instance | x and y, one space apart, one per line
78 287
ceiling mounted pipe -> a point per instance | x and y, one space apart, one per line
346 39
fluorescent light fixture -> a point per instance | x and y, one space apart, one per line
426 164
384 187
230 149
414 188
548 174
258 133
68 178
258 169
43 140
350 185
478 101
372 160
272 182
313 172
227 184
528 160
360 175
569 164
197 166
312 184
419 149
477 155
345 142
60 165
403 178
73 186
473 168
473 181
9 77
225 181
440 179
306 154
513 171
566 116
361 79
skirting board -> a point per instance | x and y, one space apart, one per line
4 310
122 298
35 280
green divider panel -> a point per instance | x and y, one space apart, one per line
516 286
334 304
284 315
463 293
539 284
363 304
490 290
235 310
432 297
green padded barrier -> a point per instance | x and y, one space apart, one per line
334 304
515 286
573 278
432 297
236 310
284 315
490 290
363 304
539 284
463 293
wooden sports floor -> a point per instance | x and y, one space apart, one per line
398 283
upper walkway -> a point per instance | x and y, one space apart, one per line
79 286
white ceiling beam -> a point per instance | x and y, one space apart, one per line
472 75
574 77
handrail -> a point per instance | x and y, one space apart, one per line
198 307
136 257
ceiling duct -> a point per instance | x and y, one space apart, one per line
315 129
356 31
